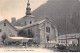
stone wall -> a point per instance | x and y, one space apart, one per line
8 29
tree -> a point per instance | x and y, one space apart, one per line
30 42
75 20
4 36
22 33
30 33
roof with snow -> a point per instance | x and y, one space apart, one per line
19 38
18 27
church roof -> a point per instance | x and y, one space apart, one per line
36 23
28 9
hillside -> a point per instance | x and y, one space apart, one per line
61 13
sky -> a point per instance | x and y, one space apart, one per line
17 8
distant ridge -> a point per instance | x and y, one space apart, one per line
61 11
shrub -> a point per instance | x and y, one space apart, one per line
26 33
30 33
4 36
30 42
22 33
61 47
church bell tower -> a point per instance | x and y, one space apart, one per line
29 18
28 9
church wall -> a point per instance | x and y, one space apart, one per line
42 33
24 21
52 34
29 19
21 22
36 32
56 33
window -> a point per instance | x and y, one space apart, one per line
30 22
59 41
48 29
0 30
47 38
25 22
4 24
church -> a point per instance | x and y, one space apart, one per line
43 30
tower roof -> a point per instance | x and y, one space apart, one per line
28 9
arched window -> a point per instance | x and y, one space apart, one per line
0 30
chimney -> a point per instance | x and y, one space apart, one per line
13 20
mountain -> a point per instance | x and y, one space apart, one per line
61 13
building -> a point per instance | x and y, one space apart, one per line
70 38
43 30
8 29
26 20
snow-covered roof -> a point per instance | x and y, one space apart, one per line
19 38
30 16
18 27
